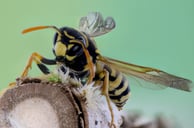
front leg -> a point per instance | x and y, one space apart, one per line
40 61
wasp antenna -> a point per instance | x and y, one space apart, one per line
40 28
33 29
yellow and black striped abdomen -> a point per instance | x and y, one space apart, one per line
119 90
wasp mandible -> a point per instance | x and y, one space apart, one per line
77 50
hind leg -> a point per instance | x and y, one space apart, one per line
106 94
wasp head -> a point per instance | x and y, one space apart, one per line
68 42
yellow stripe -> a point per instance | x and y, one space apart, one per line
123 98
114 72
126 97
97 51
125 86
116 83
58 38
101 75
69 36
76 41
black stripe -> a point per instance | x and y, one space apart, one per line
124 93
121 103
121 85
111 78
63 69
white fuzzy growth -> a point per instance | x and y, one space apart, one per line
97 108
65 78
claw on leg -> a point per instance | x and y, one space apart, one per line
12 84
105 93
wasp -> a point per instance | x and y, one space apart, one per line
78 51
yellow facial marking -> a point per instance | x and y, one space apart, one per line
58 38
70 58
60 49
70 46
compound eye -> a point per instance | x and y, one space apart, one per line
75 50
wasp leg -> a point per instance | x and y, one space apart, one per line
105 93
40 61
90 66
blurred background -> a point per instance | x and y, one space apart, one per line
155 33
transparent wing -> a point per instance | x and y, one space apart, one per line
94 25
152 75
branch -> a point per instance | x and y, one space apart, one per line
41 104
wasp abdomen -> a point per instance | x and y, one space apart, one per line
119 90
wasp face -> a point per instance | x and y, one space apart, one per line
68 44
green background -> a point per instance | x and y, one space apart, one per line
155 33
